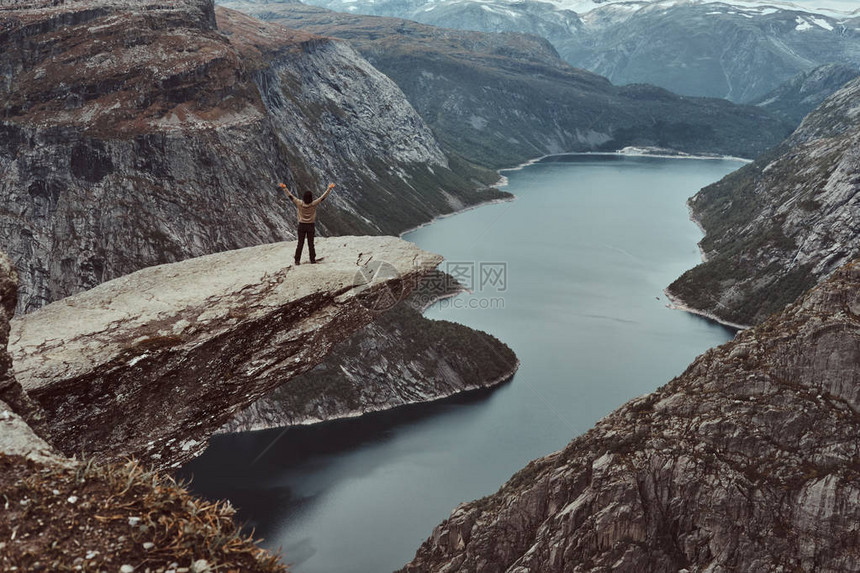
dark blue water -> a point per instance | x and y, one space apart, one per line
573 273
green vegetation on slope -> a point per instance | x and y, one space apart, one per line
779 225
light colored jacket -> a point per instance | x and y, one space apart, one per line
307 212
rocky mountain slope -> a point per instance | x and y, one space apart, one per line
400 358
502 99
745 462
735 50
150 364
139 133
779 225
11 393
121 516
800 95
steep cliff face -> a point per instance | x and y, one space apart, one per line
139 133
9 387
777 226
400 358
746 462
800 95
150 364
502 99
12 396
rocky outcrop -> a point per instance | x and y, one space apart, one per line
777 226
13 399
800 95
17 438
746 462
400 358
171 144
502 99
150 364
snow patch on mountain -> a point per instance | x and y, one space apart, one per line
832 8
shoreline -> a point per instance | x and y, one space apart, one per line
632 152
668 154
490 385
457 212
695 220
676 303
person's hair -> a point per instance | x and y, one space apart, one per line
308 197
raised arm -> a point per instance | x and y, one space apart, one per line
324 195
287 191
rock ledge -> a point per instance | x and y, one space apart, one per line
150 364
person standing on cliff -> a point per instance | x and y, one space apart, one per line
306 209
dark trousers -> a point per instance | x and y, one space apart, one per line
306 230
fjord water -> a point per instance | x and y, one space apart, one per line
574 273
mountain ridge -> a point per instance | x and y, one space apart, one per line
779 225
680 46
502 99
800 95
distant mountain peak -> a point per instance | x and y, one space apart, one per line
732 49
833 8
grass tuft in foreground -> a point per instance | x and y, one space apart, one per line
116 517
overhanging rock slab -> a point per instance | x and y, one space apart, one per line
150 364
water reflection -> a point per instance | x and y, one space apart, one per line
279 474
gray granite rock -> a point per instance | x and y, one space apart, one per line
152 363
745 462
17 438
778 226
401 358
172 144
800 95
16 400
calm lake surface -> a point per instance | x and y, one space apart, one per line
574 272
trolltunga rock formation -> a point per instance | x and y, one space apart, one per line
150 364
